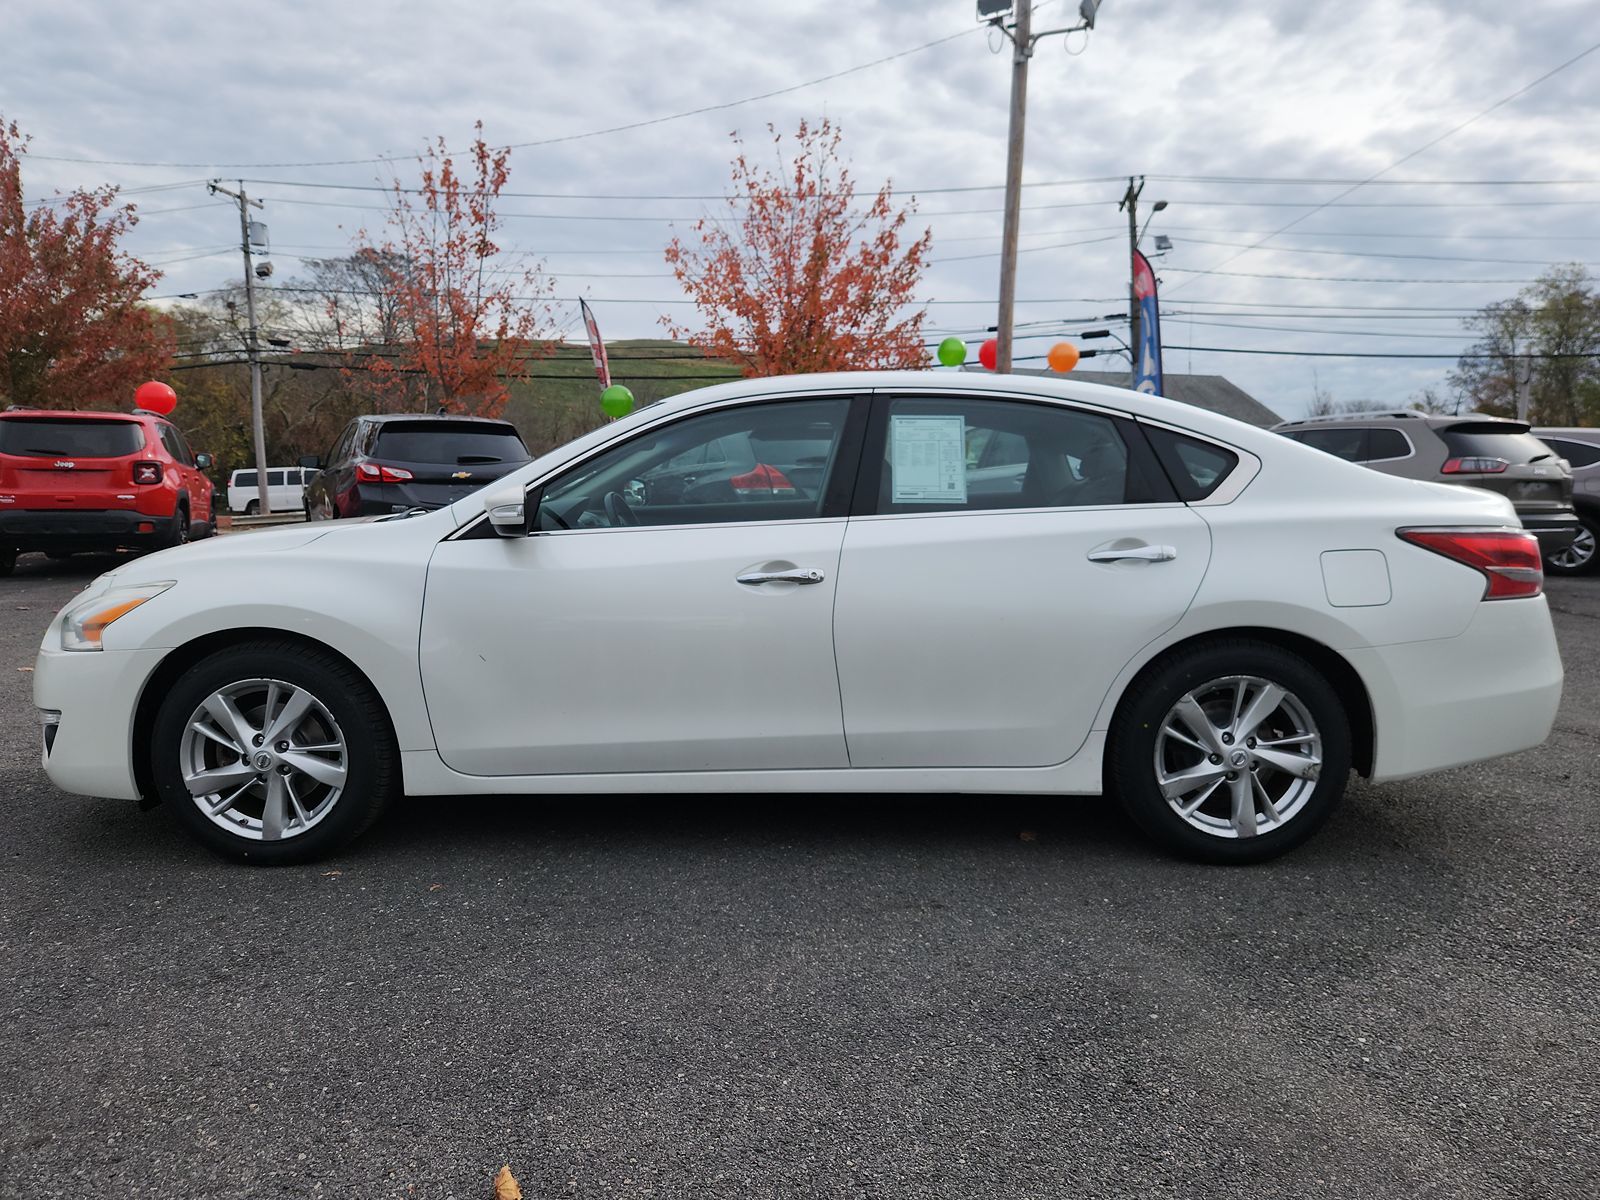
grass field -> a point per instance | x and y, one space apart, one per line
562 401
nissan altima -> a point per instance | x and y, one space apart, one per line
887 582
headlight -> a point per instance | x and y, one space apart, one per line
85 622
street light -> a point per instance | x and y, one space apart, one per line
1158 206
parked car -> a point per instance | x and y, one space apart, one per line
397 462
73 481
1473 450
286 489
1581 449
1212 622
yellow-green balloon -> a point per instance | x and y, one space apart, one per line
952 352
617 401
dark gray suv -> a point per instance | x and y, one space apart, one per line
1471 450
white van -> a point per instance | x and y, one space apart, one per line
286 488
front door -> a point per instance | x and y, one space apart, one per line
648 625
1013 558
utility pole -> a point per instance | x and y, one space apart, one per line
1130 201
252 346
1023 39
1022 47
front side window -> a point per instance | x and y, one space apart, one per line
760 462
967 454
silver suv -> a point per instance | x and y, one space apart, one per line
1472 450
1581 449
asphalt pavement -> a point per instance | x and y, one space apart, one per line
775 996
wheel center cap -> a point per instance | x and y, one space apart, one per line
263 760
1239 758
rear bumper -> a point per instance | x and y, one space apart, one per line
1492 690
1555 531
82 529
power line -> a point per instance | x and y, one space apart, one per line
571 137
1324 278
1516 262
1428 145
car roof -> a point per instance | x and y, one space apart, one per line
464 418
1405 416
77 413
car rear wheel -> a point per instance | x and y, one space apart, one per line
274 753
252 508
8 560
1582 555
1230 752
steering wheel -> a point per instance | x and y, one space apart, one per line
619 511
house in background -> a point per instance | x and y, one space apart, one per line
1210 392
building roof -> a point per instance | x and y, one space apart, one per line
1210 392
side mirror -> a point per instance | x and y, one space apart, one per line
311 462
509 510
202 462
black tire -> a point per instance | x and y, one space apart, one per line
178 535
373 759
8 560
252 508
1132 754
58 555
199 530
1583 556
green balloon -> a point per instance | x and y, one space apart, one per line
617 401
952 352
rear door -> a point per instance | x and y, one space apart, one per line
986 606
68 463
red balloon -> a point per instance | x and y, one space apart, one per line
155 397
989 354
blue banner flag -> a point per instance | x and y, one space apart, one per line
1147 361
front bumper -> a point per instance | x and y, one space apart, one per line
82 529
1494 689
94 695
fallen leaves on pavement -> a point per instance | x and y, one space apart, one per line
505 1185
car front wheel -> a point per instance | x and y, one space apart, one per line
274 752
1233 751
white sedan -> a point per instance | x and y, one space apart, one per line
889 582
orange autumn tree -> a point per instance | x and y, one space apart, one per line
73 330
797 278
463 326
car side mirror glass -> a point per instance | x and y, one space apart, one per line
203 461
508 509
311 462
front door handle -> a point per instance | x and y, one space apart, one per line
793 575
1138 553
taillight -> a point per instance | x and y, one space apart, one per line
1507 558
1474 465
763 479
147 472
374 473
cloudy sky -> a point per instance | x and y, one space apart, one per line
1218 103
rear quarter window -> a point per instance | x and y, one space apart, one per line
1196 468
1579 454
42 437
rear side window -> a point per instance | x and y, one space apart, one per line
449 442
1348 442
76 438
1386 443
1196 468
1489 441
969 454
274 478
1579 454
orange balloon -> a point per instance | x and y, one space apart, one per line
1063 357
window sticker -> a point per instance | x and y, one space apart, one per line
928 459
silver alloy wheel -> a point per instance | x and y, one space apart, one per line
1238 756
1578 554
263 759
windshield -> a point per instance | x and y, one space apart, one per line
74 437
449 442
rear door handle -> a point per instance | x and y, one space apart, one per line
793 575
1138 553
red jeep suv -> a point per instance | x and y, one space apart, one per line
73 481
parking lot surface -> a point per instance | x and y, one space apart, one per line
772 996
